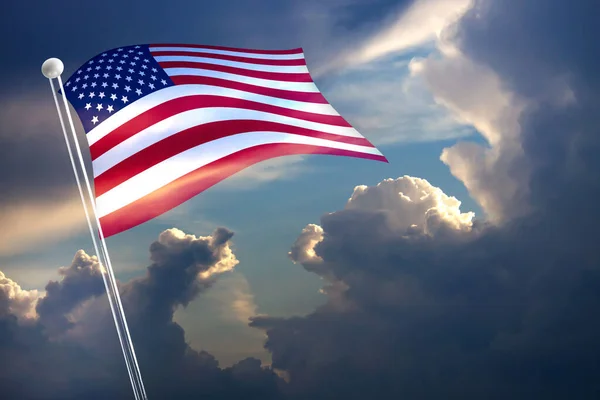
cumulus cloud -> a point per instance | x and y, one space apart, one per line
16 301
74 329
498 310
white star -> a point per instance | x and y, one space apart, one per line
101 95
74 88
144 66
124 99
127 88
131 51
95 120
84 85
113 96
128 79
97 68
111 60
88 106
136 47
114 85
119 49
151 85
88 69
140 52
81 96
153 77
118 76
79 72
146 60
125 56
115 54
99 107
136 58
101 60
96 75
85 77
91 62
154 70
67 84
103 54
131 71
78 79
141 82
163 81
142 73
104 84
105 75
119 68
108 68
92 94
132 63
109 109
93 84
122 62
138 91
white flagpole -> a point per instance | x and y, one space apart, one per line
53 68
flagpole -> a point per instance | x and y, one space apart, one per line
53 68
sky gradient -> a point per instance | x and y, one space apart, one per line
467 267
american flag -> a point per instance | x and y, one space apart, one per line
165 122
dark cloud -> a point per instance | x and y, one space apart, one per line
71 349
495 312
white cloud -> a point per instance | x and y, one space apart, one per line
20 302
408 206
419 25
495 175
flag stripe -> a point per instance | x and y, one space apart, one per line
227 50
268 61
183 163
275 76
189 93
283 69
309 97
305 87
102 161
179 105
189 185
129 162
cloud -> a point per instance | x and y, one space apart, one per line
74 329
496 311
418 25
16 301
36 224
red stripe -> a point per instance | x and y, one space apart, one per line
195 136
274 76
199 46
262 61
188 186
309 97
176 106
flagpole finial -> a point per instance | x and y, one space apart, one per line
52 68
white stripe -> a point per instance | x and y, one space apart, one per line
191 118
175 167
295 56
173 92
305 87
284 69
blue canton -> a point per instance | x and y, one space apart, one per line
113 80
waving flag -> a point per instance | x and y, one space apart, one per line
165 122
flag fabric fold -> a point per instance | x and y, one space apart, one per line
165 122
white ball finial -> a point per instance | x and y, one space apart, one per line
52 68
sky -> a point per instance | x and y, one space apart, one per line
467 267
